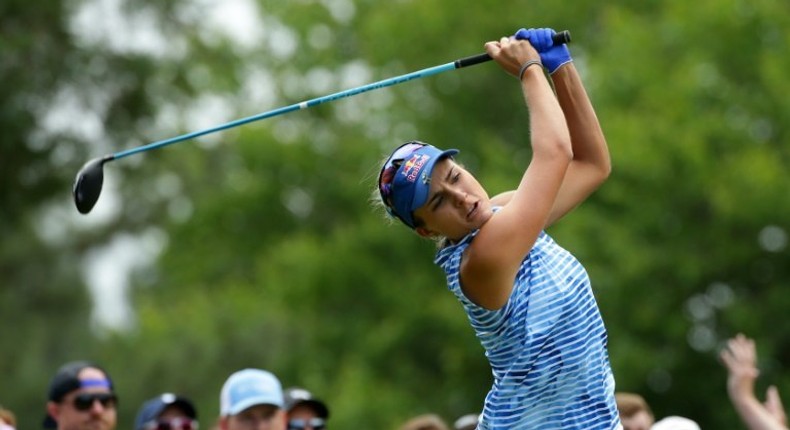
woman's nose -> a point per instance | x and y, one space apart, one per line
458 195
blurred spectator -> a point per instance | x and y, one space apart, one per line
81 396
7 419
167 411
675 423
305 412
466 422
252 399
740 359
425 422
635 414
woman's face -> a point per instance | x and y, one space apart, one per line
456 205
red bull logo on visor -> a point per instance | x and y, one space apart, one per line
411 169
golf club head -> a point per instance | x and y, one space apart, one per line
88 183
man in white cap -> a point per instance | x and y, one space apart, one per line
252 399
466 422
675 423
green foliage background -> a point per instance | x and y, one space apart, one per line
272 255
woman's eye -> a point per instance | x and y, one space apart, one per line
456 177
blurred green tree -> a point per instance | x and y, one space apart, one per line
273 255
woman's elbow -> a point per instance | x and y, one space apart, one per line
600 172
605 168
601 162
555 149
563 148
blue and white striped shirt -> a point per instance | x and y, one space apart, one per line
546 346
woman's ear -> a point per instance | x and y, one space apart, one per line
424 232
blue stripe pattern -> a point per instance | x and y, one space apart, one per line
546 346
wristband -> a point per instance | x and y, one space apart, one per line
525 66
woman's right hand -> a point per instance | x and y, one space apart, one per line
511 54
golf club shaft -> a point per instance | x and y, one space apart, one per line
559 38
297 106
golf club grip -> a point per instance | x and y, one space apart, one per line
558 39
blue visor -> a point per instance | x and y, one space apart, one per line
405 178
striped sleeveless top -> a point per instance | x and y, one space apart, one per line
546 346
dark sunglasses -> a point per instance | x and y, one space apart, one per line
85 401
174 424
392 165
300 424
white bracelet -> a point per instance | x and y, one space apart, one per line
525 66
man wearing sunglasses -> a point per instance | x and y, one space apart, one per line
167 411
305 412
81 397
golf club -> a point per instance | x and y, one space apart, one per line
88 183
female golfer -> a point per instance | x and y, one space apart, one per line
528 300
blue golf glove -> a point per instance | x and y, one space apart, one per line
552 56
